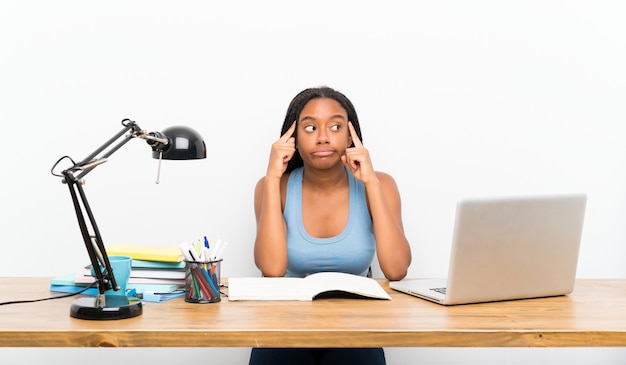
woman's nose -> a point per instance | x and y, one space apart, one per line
322 137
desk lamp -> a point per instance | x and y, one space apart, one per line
174 143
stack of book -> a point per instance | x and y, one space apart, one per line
157 273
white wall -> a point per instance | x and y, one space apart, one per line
455 98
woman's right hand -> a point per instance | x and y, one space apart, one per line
282 152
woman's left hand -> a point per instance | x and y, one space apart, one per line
357 159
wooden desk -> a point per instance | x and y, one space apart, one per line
594 315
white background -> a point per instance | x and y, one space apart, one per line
455 98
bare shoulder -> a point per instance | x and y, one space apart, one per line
260 184
259 190
385 179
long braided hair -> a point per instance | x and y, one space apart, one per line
298 103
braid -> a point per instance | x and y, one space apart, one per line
298 103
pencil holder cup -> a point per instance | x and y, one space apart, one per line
202 281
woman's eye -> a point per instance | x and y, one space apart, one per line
309 128
335 128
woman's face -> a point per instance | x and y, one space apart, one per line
322 135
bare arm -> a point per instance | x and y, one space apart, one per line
392 246
270 245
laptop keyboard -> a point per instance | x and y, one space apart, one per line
439 290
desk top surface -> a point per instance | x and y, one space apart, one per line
593 315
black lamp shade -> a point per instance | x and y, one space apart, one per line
184 144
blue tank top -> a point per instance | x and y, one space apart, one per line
351 251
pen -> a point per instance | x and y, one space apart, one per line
196 289
204 285
211 283
214 275
218 251
185 249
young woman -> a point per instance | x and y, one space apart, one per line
322 207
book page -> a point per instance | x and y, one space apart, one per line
332 281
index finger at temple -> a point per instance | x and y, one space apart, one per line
289 132
354 136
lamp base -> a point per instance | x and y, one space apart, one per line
116 307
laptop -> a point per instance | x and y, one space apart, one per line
507 248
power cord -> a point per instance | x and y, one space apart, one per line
49 298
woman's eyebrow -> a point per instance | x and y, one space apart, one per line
305 118
336 116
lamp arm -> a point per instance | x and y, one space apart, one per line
128 124
73 178
93 243
155 139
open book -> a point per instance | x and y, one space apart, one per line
304 289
